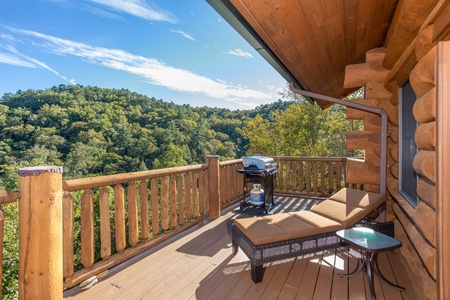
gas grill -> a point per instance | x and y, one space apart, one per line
259 170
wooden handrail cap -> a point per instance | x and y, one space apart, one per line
36 171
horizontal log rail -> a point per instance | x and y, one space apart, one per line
94 182
6 197
109 219
312 176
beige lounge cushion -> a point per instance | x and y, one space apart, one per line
274 228
321 223
259 231
342 210
344 214
295 228
366 200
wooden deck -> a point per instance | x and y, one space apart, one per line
198 264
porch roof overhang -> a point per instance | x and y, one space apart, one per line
310 42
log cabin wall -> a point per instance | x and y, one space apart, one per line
410 53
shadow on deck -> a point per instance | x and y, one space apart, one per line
198 264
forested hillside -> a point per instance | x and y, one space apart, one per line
95 131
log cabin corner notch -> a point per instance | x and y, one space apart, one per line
325 47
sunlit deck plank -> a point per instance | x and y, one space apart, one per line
308 283
388 292
199 265
340 285
190 281
325 278
185 267
278 280
402 276
292 283
356 284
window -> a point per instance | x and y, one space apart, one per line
408 148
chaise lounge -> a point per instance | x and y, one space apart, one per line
270 238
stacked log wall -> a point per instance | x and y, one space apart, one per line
416 227
372 76
415 60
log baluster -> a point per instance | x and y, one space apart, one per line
133 219
143 194
308 176
201 192
155 208
105 224
173 202
87 229
301 178
187 188
322 177
288 176
330 177
119 209
195 193
68 235
315 177
294 176
180 186
164 204
338 176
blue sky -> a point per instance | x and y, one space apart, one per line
176 50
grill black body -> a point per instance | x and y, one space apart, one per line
252 174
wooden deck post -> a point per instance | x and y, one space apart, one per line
40 233
213 186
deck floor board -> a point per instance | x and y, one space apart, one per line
198 264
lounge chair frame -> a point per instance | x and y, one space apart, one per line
265 253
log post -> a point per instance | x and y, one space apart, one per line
40 233
213 186
2 237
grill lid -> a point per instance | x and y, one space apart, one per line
259 163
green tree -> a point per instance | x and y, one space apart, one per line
263 135
173 156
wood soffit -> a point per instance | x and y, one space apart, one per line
315 39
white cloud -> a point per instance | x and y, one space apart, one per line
186 35
7 37
138 8
9 59
239 52
108 8
151 70
26 61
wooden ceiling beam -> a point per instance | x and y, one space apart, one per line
316 39
410 16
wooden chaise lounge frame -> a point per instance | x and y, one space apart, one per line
270 238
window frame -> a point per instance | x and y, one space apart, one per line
410 194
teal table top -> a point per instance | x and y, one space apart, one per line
368 239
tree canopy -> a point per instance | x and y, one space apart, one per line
302 129
93 131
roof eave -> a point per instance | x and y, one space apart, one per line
226 9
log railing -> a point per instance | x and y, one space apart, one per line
312 176
6 197
110 219
106 220
231 187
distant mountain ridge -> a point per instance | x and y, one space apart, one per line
94 131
